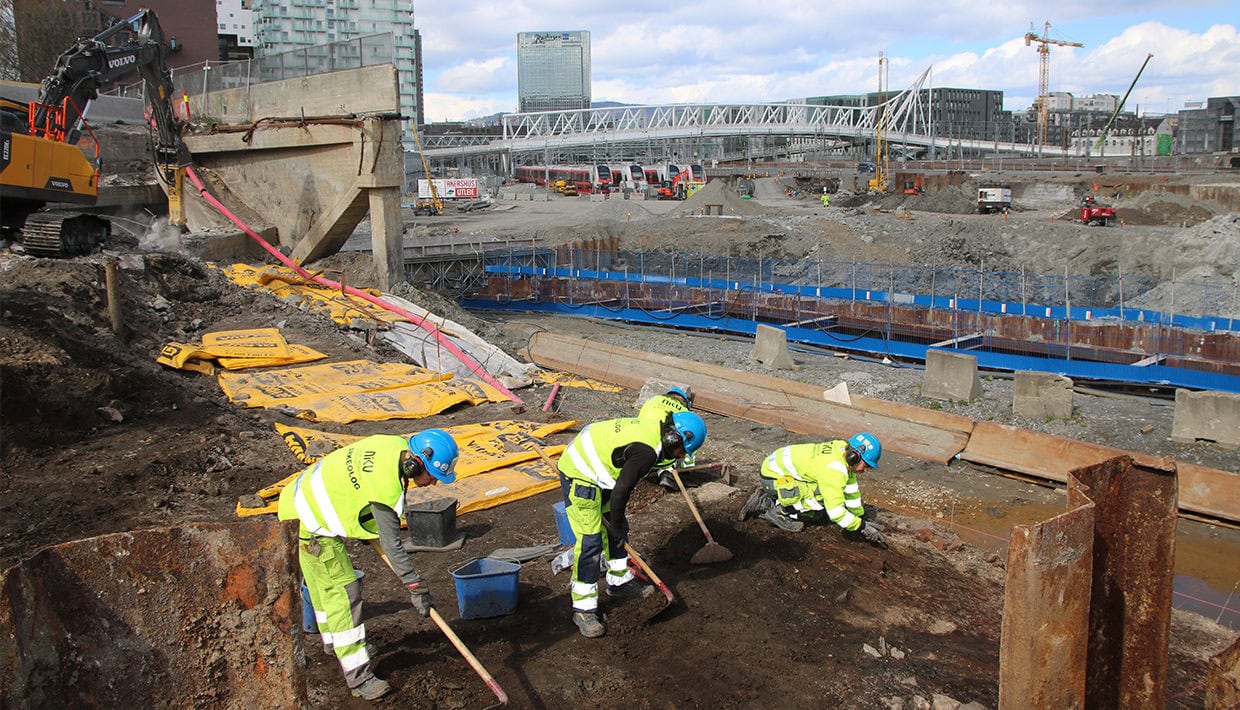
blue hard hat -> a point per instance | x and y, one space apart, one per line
684 394
868 446
692 430
438 452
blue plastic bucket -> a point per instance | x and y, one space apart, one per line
567 536
486 587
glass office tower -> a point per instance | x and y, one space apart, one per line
553 71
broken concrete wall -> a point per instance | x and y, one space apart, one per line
950 377
191 616
1212 416
1041 395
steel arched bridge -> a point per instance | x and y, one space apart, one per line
905 119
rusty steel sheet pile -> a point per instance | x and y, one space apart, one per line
199 615
1112 555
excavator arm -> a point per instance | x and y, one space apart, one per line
92 64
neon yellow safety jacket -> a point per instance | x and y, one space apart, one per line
812 477
332 498
589 457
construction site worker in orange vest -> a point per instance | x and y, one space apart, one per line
817 483
677 399
598 471
358 492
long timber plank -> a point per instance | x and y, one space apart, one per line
906 429
745 395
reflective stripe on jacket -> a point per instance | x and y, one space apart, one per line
589 457
332 498
816 477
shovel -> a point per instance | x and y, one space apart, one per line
486 677
712 552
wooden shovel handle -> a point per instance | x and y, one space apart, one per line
456 641
692 507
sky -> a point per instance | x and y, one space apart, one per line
756 51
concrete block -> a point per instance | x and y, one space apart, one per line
656 386
1039 395
951 377
771 348
1212 416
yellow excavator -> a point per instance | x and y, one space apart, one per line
41 161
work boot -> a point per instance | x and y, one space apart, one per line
632 589
668 481
372 688
587 622
777 517
757 504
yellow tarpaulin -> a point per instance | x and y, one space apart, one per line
475 440
236 350
566 379
278 388
492 489
504 453
285 283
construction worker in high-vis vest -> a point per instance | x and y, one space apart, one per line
677 399
358 492
598 471
817 483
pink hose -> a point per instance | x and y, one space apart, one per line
420 321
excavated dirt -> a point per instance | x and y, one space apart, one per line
98 438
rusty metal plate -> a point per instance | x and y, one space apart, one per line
1134 562
191 616
1044 641
1202 489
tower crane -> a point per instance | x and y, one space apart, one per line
1044 72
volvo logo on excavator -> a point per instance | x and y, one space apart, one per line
56 183
122 61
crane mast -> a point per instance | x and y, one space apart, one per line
1044 74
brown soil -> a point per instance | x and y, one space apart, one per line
784 624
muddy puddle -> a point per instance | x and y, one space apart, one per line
982 507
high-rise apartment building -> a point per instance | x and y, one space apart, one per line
553 71
284 25
235 29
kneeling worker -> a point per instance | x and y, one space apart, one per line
677 399
598 471
358 492
817 483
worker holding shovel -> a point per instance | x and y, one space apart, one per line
817 483
598 471
358 492
677 399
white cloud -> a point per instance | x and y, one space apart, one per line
648 51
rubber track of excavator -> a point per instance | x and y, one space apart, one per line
59 235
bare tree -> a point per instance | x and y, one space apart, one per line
42 31
8 42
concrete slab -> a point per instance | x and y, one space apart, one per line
1208 416
771 348
1042 395
950 377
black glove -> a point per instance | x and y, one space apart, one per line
619 531
420 596
873 536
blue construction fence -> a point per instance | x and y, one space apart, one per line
1199 305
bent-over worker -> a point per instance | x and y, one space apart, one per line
677 399
358 492
817 483
598 471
